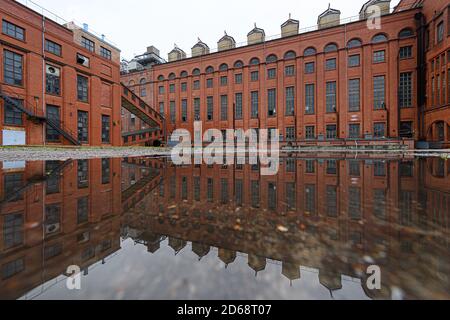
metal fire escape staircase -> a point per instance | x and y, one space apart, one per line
65 132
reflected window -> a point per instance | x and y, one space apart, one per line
83 173
310 199
332 201
83 210
13 230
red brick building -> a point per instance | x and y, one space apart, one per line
339 83
60 84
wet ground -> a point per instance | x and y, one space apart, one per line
144 228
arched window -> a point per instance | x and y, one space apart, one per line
131 83
331 47
238 64
379 38
209 69
271 58
143 92
183 74
406 33
161 78
223 67
290 55
309 52
254 61
354 43
196 72
172 76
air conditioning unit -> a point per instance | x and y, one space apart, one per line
82 60
52 70
83 237
52 228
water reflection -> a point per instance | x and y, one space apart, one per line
329 217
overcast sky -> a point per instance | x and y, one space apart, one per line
135 24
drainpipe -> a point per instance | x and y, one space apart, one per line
421 73
43 81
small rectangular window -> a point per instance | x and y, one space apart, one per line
209 83
310 132
379 56
331 131
183 87
330 64
271 73
53 47
354 61
88 44
379 130
289 71
238 78
309 67
196 85
223 81
405 52
172 88
13 30
105 53
254 76
354 131
161 90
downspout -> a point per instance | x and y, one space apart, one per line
421 73
43 81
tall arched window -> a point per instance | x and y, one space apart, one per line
209 69
354 43
309 52
331 47
381 37
223 67
271 58
196 72
406 33
290 55
172 76
238 64
142 83
254 61
183 74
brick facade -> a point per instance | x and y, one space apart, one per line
102 74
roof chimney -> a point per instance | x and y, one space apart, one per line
85 27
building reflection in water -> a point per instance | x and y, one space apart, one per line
333 215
